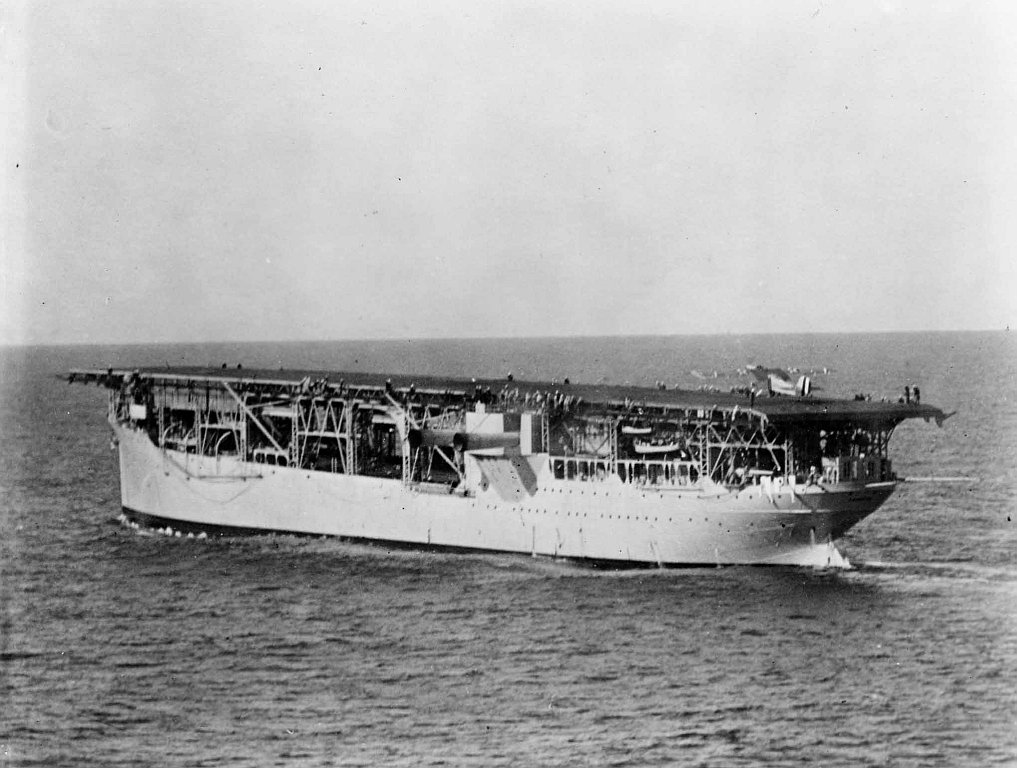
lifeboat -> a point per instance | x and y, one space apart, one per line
654 448
630 429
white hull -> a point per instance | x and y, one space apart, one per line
600 521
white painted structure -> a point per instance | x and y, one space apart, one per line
532 468
701 523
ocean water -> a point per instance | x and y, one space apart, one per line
123 648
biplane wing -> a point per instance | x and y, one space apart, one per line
779 382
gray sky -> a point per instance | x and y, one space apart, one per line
317 170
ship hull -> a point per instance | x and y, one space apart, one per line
603 522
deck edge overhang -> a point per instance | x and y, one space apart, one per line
776 409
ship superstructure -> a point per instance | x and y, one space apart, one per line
592 472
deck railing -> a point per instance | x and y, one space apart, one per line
635 471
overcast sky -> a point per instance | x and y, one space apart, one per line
222 170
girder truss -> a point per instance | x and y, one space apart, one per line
318 421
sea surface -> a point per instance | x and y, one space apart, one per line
123 648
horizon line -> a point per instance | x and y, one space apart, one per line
389 339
